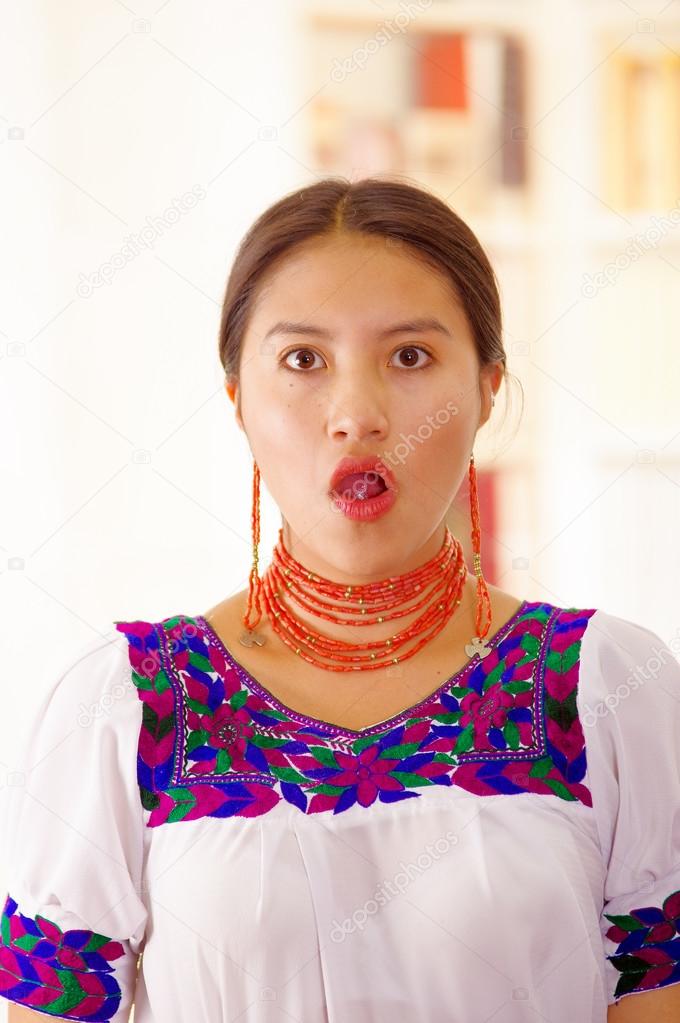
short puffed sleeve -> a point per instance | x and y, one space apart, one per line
73 917
629 707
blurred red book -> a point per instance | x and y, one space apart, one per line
440 78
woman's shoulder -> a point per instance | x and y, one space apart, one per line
600 651
86 680
627 667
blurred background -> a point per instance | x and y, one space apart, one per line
139 140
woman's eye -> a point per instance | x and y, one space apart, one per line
301 363
412 362
306 360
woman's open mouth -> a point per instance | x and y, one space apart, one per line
361 485
362 496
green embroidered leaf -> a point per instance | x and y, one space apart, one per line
196 705
541 767
142 682
96 942
410 780
459 691
271 713
223 762
626 923
558 788
324 789
407 749
150 800
200 661
267 741
532 645
288 774
184 802
165 726
4 929
443 758
561 662
324 756
451 718
157 728
562 712
494 676
27 941
197 738
161 682
72 993
518 687
238 699
511 734
465 740
359 745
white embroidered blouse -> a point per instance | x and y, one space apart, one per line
506 849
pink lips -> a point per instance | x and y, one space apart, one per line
359 507
369 464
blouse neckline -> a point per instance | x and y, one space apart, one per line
255 687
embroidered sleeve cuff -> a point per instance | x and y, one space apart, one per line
643 945
71 973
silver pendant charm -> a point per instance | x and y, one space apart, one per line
250 638
477 646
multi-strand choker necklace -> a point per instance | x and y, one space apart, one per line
436 587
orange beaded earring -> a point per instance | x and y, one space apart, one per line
483 602
477 645
248 637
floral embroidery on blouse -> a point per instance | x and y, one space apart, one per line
648 946
65 973
213 742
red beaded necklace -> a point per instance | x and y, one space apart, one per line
372 602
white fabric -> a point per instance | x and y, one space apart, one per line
448 907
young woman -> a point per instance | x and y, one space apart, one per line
368 786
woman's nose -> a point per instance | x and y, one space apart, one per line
358 417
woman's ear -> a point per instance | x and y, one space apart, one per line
490 380
232 388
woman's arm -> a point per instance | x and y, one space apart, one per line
19 1014
659 1006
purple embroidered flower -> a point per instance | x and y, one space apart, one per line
486 711
229 729
367 773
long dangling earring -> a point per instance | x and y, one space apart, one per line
249 637
483 602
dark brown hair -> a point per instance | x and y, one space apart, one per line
402 214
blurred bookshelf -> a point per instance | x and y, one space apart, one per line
438 102
554 131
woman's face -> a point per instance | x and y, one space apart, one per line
347 387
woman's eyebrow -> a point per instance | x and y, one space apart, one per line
417 326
